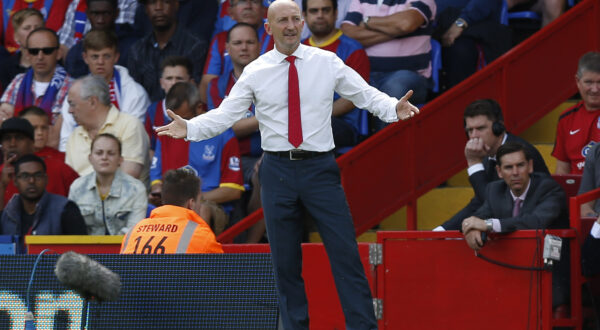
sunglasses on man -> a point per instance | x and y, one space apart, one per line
45 50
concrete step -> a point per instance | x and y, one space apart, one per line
546 150
544 131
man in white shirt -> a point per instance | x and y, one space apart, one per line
298 173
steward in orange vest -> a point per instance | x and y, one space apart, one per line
174 227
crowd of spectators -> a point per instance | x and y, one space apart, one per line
89 80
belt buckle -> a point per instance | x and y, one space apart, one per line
292 154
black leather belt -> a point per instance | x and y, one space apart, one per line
297 154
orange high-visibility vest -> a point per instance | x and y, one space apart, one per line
171 229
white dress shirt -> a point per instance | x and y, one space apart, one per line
264 82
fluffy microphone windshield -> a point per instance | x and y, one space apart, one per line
87 277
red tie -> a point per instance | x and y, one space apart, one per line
294 120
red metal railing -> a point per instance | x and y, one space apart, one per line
395 167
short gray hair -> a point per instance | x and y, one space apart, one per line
589 62
92 85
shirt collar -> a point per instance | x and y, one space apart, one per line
326 43
115 186
524 194
111 118
299 53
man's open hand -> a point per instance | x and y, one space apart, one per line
176 129
404 109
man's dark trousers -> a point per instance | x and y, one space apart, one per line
287 188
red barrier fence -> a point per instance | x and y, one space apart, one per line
395 167
432 280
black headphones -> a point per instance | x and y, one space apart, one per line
498 124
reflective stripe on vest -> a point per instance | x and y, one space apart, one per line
186 237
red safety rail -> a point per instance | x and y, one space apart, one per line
402 162
582 227
433 280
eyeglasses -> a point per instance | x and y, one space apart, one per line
27 176
155 194
45 50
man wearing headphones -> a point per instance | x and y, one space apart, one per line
484 126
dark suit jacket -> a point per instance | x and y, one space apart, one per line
480 180
545 205
590 256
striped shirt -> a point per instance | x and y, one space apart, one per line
408 52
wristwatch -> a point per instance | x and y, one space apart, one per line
461 23
366 20
490 225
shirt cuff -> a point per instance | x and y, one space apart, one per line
496 226
595 232
475 168
439 228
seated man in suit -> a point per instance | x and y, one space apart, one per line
484 125
590 251
522 200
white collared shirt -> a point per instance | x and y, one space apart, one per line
264 82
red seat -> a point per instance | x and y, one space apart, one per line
569 183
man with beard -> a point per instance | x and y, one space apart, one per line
167 38
34 211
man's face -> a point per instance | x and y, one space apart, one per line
101 62
16 144
43 64
40 129
285 25
172 75
247 11
102 15
480 127
81 109
29 24
105 157
155 195
515 171
589 89
243 46
320 17
162 13
31 180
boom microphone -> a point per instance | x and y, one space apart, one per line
87 277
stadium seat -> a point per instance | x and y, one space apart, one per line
363 131
8 244
569 182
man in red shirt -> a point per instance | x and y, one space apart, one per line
16 136
579 126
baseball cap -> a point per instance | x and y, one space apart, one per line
16 124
